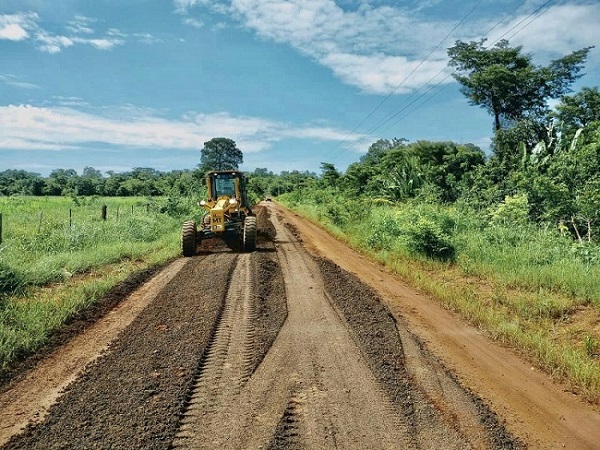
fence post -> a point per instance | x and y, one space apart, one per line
40 222
104 212
117 213
0 228
70 218
131 209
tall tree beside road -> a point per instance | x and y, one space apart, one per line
506 83
221 154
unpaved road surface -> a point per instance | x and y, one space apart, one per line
274 349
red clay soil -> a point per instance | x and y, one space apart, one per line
535 408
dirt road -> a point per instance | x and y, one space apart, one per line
274 349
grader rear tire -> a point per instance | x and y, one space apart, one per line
188 238
249 237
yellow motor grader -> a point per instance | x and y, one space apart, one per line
228 213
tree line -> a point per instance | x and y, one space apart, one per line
140 181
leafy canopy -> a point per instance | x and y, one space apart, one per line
507 84
579 110
221 154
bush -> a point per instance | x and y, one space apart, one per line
178 206
514 210
384 231
428 238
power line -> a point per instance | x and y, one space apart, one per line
548 3
384 121
400 109
411 72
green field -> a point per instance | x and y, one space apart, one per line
57 256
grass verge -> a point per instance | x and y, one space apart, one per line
59 257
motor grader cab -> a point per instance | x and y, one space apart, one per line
228 215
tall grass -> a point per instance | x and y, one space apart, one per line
44 243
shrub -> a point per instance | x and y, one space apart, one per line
384 231
514 210
427 237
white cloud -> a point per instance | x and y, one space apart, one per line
558 31
375 46
182 6
14 27
383 74
51 43
193 22
81 25
26 26
54 128
146 38
11 80
13 32
102 44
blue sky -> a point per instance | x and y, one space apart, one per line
117 84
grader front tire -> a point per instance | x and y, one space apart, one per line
188 238
249 238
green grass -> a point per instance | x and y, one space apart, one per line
42 244
526 286
53 266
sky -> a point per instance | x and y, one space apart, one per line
118 84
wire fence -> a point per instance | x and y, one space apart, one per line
19 222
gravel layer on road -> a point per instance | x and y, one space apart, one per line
131 397
374 330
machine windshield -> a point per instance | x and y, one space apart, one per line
225 185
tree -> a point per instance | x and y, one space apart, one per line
21 182
445 164
221 154
507 84
380 148
329 174
579 110
61 182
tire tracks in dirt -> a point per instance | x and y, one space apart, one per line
227 365
314 388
